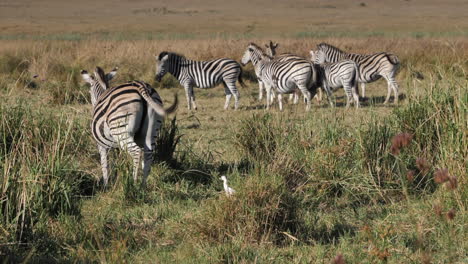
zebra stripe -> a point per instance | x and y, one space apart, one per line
291 73
128 116
371 67
331 76
201 74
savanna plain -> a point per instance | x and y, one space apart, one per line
378 184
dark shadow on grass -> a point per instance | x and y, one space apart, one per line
375 100
323 235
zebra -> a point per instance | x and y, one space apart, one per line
371 67
128 116
335 75
271 51
291 74
202 74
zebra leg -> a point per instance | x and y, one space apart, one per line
268 95
319 96
355 93
291 97
127 143
146 165
192 97
329 96
395 87
228 99
273 95
296 97
228 96
280 101
363 90
188 95
236 100
260 90
136 157
232 90
104 152
349 96
391 83
307 94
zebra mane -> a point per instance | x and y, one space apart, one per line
324 45
261 50
102 79
171 54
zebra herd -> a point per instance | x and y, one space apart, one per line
130 115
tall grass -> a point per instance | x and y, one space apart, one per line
40 178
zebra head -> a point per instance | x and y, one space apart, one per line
317 57
271 48
162 65
247 57
99 82
253 54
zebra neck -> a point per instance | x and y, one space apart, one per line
179 67
96 92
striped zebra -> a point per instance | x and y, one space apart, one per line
261 87
291 74
271 51
201 74
334 75
371 67
128 116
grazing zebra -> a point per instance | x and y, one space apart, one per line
291 74
331 76
202 74
127 116
371 67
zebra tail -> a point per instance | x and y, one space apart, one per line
143 91
393 59
239 78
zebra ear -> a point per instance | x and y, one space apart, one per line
275 45
86 77
112 74
101 77
165 58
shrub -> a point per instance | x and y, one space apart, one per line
258 213
257 138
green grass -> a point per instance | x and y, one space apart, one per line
309 186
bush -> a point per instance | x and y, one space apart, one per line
167 141
257 138
258 213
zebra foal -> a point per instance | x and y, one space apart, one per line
201 74
128 116
371 67
331 76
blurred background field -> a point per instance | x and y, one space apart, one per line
311 187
